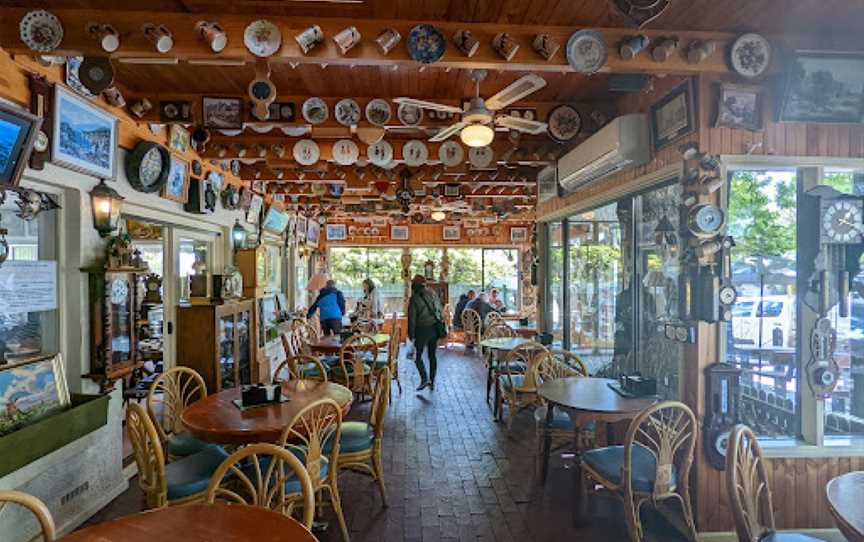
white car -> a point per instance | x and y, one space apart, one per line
774 315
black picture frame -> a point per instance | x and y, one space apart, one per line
18 131
818 102
740 107
211 119
666 127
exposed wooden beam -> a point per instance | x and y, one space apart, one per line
188 45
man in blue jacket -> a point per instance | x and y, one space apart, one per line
330 305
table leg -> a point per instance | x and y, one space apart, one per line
547 440
495 406
581 484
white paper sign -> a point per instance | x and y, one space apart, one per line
27 286
275 354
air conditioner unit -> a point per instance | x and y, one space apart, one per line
622 144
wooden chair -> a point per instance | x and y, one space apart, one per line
307 331
492 318
499 330
518 388
292 342
393 354
360 443
472 328
308 436
182 481
571 360
355 355
749 494
264 475
364 325
301 367
170 393
36 506
653 465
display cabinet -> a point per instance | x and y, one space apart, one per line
261 268
218 341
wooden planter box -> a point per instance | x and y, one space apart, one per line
19 448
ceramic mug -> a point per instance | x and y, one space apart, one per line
114 97
505 45
545 45
213 34
664 49
466 42
140 107
387 40
309 38
632 46
347 38
107 35
700 50
160 36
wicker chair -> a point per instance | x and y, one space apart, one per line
292 342
308 436
749 494
360 443
472 328
36 506
492 318
356 355
392 355
518 388
653 465
364 325
169 395
264 475
301 367
182 481
307 331
499 330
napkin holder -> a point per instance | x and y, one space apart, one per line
259 394
638 385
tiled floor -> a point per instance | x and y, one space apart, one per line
454 474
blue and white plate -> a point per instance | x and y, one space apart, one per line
426 44
587 51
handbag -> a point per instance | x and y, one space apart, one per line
440 326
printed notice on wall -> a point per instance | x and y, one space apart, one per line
28 286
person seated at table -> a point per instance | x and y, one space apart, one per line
330 305
464 299
496 302
482 306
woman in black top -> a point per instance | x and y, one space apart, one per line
424 317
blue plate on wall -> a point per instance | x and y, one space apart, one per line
426 44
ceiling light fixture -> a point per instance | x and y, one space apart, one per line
438 216
477 135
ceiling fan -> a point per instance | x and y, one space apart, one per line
475 127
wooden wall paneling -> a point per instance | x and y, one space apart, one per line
430 235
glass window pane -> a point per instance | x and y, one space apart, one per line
193 254
385 270
348 267
465 271
555 293
301 279
501 273
419 257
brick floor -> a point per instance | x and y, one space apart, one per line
453 474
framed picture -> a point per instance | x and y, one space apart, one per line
222 112
824 87
255 204
337 232
275 220
178 138
175 111
18 131
673 116
451 233
31 390
739 107
217 180
399 233
176 188
518 235
84 136
379 221
301 228
313 233
451 190
282 111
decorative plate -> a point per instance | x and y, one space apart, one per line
345 152
41 31
415 153
378 112
380 154
347 112
96 74
294 131
426 44
409 115
480 157
750 55
564 123
306 152
73 63
147 166
315 111
451 153
586 51
262 38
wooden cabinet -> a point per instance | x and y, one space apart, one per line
261 268
218 341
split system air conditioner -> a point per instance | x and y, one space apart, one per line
622 144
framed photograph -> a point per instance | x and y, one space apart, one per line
217 180
84 136
337 232
824 87
275 220
176 188
739 107
451 233
31 390
471 223
313 233
451 190
301 228
222 112
379 221
18 131
178 138
399 233
255 204
518 235
673 116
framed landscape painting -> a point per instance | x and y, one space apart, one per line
313 233
337 232
824 87
84 136
399 233
31 390
176 188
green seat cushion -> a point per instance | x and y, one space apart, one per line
356 437
607 462
517 380
310 370
183 444
515 366
330 361
337 371
191 474
560 419
789 537
292 485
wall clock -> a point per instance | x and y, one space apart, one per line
706 220
147 166
119 291
842 221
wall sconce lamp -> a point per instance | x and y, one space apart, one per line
238 235
106 204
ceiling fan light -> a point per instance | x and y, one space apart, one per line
438 216
477 135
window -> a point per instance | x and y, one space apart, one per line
349 266
466 271
419 257
301 279
555 286
500 272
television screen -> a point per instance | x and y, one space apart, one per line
17 132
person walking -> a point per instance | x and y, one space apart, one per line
330 305
425 324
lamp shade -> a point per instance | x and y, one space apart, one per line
238 235
106 204
477 135
438 216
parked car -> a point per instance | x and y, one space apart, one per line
766 323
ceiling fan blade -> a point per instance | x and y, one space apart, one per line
428 105
532 127
515 91
446 133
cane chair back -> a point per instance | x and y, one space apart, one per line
301 367
354 353
380 402
169 395
292 342
307 330
498 330
492 317
471 326
529 354
36 507
549 367
571 360
148 455
256 475
747 486
363 325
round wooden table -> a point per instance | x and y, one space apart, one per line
845 498
216 418
198 523
331 344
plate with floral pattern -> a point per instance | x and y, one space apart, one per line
426 44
